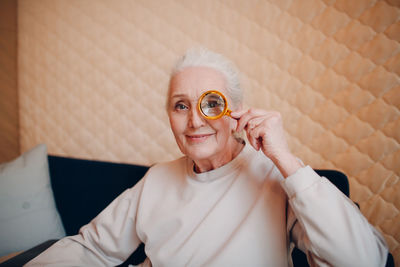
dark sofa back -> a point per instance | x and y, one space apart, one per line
83 188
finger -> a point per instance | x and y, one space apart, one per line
242 122
237 116
254 122
257 135
246 117
253 140
254 116
238 113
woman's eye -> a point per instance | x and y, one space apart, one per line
212 104
180 106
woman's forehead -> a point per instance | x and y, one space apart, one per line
195 80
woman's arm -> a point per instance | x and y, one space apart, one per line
322 221
328 226
107 240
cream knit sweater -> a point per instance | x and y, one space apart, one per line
241 214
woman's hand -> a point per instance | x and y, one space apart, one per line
265 131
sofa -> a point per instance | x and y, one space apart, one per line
82 188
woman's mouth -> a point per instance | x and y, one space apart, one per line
197 138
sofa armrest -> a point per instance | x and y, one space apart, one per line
19 260
28 255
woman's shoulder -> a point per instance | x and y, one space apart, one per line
169 165
163 170
163 178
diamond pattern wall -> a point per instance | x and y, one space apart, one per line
93 78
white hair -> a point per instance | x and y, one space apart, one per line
201 57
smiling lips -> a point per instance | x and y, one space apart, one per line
198 138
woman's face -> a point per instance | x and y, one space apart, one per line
197 137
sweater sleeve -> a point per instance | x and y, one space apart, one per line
328 226
107 240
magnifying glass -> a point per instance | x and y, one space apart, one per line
213 105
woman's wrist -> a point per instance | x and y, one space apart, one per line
287 163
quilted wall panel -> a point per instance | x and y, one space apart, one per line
93 78
9 130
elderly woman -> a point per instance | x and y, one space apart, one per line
225 202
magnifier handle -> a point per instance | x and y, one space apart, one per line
228 113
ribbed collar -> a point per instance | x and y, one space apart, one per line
222 171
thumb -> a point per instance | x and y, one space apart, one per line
238 113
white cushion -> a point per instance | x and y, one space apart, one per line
28 215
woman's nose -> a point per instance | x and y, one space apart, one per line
196 120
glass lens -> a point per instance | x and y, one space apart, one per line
212 105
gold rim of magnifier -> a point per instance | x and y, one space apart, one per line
225 111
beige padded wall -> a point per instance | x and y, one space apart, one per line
93 78
9 130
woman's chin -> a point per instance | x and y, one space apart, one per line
200 153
